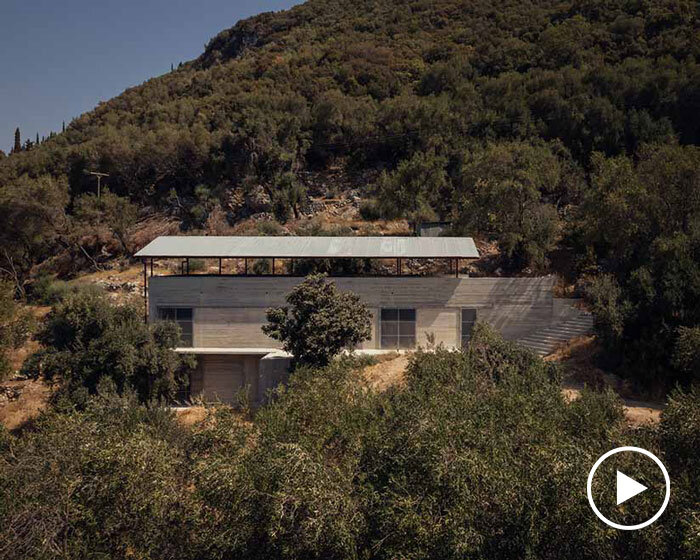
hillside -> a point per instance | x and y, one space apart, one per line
563 132
376 81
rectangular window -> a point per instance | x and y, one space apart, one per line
183 317
468 320
398 328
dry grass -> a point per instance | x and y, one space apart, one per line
389 372
192 415
129 273
578 360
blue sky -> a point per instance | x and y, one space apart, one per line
59 58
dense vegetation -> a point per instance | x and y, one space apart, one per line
16 326
477 456
557 128
86 339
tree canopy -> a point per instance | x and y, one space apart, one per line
476 455
319 322
85 340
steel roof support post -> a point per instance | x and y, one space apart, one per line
273 267
145 293
457 268
151 268
219 266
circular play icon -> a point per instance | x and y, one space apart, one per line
642 488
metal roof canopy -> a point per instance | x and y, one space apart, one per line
309 247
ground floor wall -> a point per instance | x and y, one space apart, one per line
237 379
225 378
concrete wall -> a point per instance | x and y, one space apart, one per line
230 310
225 378
232 378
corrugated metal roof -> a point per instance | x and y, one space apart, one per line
309 247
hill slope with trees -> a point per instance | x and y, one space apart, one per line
551 127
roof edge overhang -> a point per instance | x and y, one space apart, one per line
292 247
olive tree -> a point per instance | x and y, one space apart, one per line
85 339
319 322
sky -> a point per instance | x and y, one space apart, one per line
59 58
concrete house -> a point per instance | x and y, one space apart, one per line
221 314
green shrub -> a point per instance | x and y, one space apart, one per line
319 322
680 430
369 210
270 227
108 482
686 354
476 455
262 267
86 339
16 326
46 290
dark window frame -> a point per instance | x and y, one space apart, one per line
179 315
397 328
465 334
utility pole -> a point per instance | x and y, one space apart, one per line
99 180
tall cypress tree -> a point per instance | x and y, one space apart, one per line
18 141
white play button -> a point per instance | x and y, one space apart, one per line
627 488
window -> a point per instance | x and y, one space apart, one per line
398 328
183 317
468 320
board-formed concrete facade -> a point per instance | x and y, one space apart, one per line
229 311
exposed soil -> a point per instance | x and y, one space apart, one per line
388 372
33 398
189 416
578 361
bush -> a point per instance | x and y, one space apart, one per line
270 227
262 267
476 455
686 355
16 325
369 210
107 482
86 339
46 290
